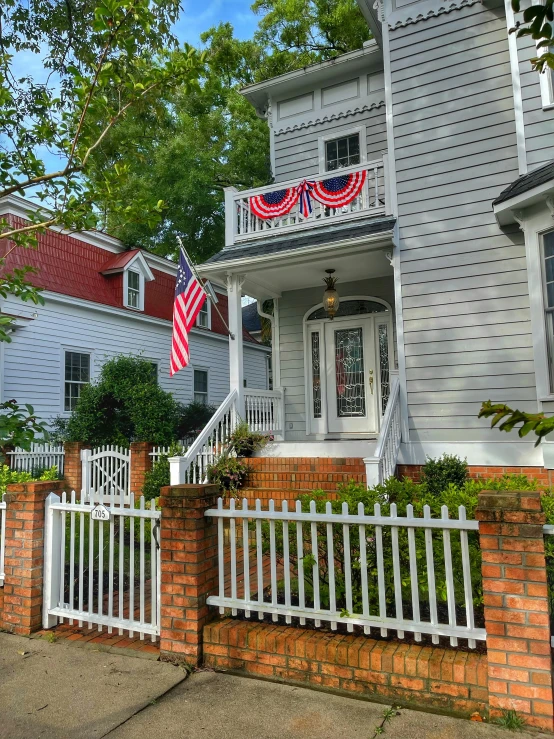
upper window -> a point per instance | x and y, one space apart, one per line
77 374
203 317
548 272
342 152
547 81
134 289
201 386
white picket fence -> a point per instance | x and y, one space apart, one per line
97 571
106 471
161 451
306 534
264 411
40 455
2 539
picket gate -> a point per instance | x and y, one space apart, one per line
102 572
106 470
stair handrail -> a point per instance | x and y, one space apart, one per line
180 465
388 441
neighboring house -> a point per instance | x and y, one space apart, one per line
251 321
444 259
102 300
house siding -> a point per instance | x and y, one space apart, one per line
293 306
296 152
538 123
33 362
467 331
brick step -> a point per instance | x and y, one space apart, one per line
314 465
276 494
302 480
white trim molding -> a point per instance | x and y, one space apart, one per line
516 87
515 453
328 118
427 9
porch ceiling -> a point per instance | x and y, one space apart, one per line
270 275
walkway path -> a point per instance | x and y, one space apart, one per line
54 691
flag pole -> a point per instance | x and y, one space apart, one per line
201 283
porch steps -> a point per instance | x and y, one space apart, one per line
284 478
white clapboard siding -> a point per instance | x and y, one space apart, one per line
305 530
2 539
40 455
75 574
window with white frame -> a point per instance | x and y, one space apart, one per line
547 80
77 374
203 317
342 152
548 277
201 386
134 286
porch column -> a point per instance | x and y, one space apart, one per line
236 366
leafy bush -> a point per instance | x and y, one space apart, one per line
19 426
245 442
193 418
402 494
229 473
158 476
437 474
125 404
8 476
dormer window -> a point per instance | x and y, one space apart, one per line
133 289
342 152
132 269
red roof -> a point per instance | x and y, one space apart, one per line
69 266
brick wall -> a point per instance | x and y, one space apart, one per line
141 463
24 556
445 679
303 473
543 476
72 465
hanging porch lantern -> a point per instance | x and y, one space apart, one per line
331 297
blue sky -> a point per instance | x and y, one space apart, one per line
197 17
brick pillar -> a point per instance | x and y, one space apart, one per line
516 606
141 463
188 569
24 555
72 464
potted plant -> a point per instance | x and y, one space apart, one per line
229 473
245 442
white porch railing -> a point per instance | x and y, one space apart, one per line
242 224
264 410
2 539
382 464
331 567
192 468
40 455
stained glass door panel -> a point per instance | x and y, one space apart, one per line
349 372
349 367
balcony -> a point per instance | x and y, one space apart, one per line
242 224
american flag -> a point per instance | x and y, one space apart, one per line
189 299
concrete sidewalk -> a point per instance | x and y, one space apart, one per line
58 691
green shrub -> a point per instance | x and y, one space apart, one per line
125 404
229 473
158 476
193 417
245 442
402 494
437 474
8 476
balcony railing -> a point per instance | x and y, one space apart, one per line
241 224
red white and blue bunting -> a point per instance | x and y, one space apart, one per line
333 192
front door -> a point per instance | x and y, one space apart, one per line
351 375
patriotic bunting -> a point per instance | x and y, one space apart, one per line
274 204
338 191
333 192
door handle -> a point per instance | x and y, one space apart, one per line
371 381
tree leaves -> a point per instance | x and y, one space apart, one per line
537 23
507 419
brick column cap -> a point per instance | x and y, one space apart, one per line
141 445
14 489
501 505
190 492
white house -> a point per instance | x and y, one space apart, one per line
439 139
101 300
